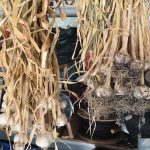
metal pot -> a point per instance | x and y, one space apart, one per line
102 130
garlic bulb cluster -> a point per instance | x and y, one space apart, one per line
122 56
31 73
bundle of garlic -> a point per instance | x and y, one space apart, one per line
31 105
115 39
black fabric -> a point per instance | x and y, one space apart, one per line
66 45
133 127
101 132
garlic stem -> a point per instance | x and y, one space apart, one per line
133 43
44 64
44 56
58 110
141 52
127 30
113 45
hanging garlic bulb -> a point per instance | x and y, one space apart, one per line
122 59
5 97
3 120
4 107
61 120
16 127
19 146
63 104
141 92
104 92
20 139
44 140
136 66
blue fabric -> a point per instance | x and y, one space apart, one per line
4 145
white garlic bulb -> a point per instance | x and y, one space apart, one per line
61 120
20 139
3 120
43 141
104 92
63 104
122 59
141 92
19 146
16 127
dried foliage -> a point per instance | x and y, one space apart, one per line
31 71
